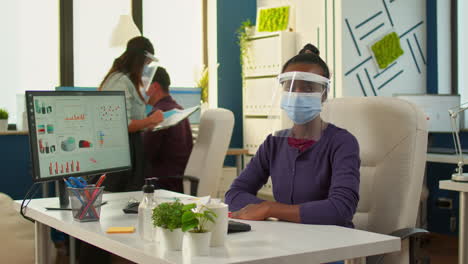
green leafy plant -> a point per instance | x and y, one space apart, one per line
3 114
203 84
387 50
273 19
196 221
243 34
168 215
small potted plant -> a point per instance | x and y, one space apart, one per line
3 119
194 221
168 218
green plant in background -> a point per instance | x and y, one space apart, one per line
387 50
3 114
168 215
196 221
203 84
243 34
273 19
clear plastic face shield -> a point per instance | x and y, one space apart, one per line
149 69
297 101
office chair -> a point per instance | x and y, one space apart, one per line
205 164
392 136
17 234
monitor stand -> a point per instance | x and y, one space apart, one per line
63 194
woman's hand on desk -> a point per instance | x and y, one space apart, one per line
256 212
266 209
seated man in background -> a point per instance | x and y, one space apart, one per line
166 151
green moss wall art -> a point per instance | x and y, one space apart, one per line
273 19
387 50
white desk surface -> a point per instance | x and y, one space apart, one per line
268 242
444 158
453 186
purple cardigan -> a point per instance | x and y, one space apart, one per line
323 180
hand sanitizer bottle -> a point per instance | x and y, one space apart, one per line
145 212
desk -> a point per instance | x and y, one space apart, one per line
463 232
239 153
268 242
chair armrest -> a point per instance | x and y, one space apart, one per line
193 182
404 233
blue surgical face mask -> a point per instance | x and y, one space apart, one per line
301 107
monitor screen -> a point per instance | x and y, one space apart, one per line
75 133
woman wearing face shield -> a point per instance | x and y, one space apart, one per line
131 73
314 165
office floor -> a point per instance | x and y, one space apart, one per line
442 249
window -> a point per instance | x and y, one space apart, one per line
93 23
175 29
29 50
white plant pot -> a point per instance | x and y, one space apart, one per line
171 240
3 125
199 243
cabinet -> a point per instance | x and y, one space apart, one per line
265 56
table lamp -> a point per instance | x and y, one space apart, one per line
458 175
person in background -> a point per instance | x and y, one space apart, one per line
314 166
167 151
126 75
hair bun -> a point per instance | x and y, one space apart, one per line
309 48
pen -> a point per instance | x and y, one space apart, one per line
93 198
77 194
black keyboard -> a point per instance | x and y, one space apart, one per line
233 226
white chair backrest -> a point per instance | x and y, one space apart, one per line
208 153
392 135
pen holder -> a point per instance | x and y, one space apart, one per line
86 203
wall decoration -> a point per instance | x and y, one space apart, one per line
399 57
273 19
387 50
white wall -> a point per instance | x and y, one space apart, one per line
212 54
93 56
176 34
313 16
463 54
444 50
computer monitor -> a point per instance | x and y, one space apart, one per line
76 133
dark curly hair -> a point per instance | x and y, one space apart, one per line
162 77
309 54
